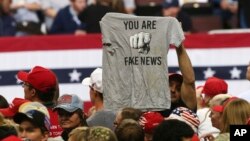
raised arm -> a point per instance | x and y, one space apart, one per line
188 94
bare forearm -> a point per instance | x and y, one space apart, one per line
188 94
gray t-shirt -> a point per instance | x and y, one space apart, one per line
103 118
135 60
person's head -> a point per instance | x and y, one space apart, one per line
39 84
235 112
213 86
34 122
96 133
186 115
170 8
95 84
13 108
149 121
173 130
129 130
78 5
248 72
70 112
127 113
3 102
175 82
216 115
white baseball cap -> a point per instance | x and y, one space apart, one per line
95 80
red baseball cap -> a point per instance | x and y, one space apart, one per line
11 138
215 86
150 120
13 108
40 78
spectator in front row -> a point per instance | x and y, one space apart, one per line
94 13
50 9
25 14
70 114
67 21
7 22
173 9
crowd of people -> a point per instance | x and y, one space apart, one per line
41 17
202 113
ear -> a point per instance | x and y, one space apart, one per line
33 92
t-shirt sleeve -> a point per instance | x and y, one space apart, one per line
175 33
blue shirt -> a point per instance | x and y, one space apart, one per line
66 22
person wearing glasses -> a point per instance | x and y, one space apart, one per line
70 114
41 85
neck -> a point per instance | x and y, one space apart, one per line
98 105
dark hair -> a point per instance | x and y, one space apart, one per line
82 117
45 96
172 130
131 113
3 102
129 130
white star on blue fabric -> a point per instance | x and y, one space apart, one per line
208 73
75 76
235 73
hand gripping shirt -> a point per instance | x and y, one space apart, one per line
135 60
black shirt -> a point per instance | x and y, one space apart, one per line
92 15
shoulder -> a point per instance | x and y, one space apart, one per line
64 10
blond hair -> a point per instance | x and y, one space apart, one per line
218 99
236 112
79 134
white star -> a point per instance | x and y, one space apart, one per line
178 72
208 73
18 81
235 73
75 76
